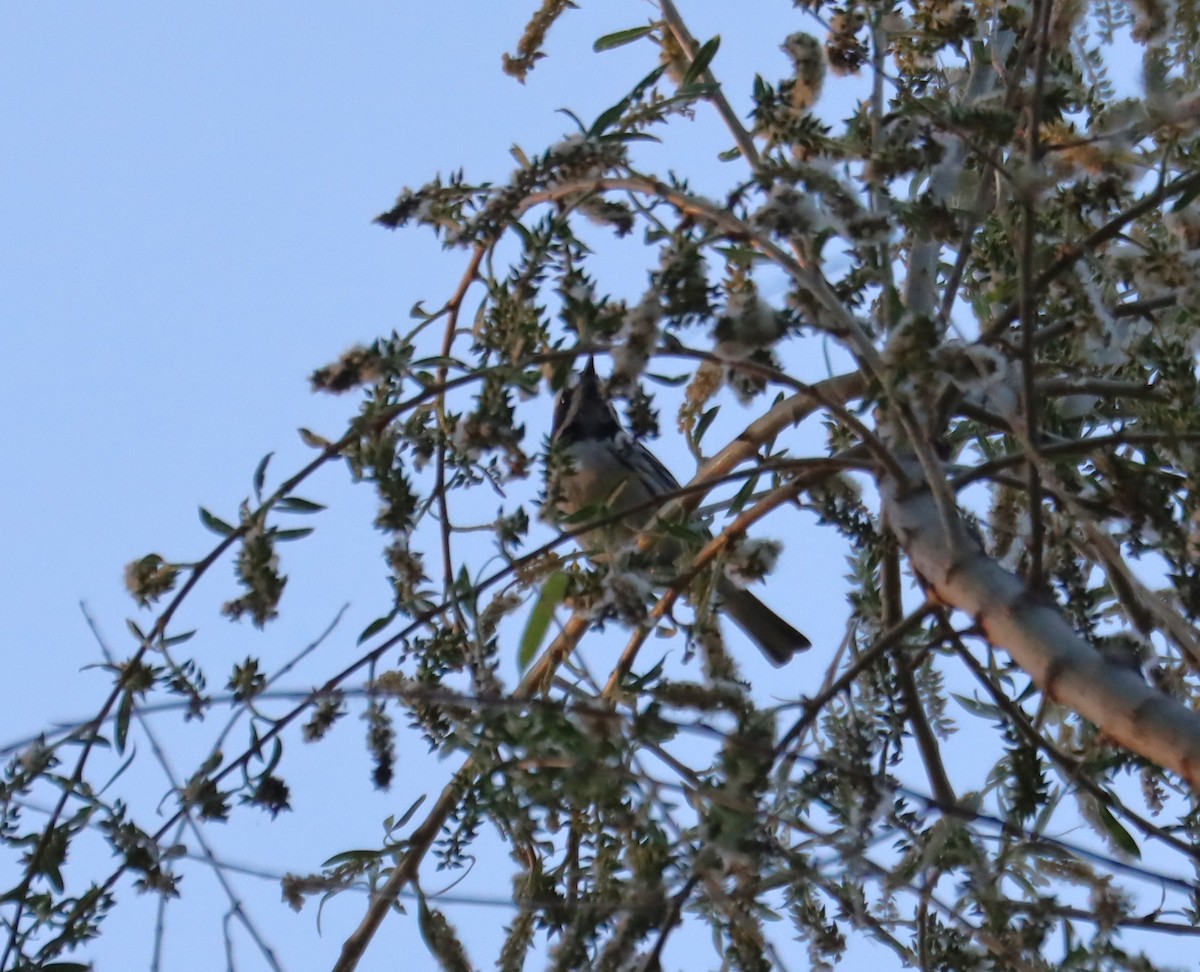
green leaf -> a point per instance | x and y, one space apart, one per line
743 495
218 526
437 361
375 627
527 241
353 857
702 60
285 535
705 421
53 874
574 117
977 707
465 592
119 772
1028 692
630 137
652 78
260 474
690 92
407 815
121 725
548 600
276 756
608 117
314 440
619 38
671 381
1120 836
638 683
178 639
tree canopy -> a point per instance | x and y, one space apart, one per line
950 334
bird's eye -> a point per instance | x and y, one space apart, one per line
562 406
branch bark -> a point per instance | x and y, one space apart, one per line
1038 638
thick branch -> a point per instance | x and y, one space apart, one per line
1039 639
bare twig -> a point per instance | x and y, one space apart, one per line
893 615
236 908
688 45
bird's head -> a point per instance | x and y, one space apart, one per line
583 410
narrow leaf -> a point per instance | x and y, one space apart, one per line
375 627
407 815
466 593
1120 836
705 421
294 504
353 857
121 724
690 92
285 535
976 707
548 600
620 38
702 60
631 137
744 494
607 118
574 117
260 474
652 78
314 440
218 526
527 240
276 756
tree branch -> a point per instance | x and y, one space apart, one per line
1037 636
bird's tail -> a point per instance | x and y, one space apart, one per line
775 638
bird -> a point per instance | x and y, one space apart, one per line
607 467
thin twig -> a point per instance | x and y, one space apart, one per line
1069 255
885 642
1070 767
452 309
688 45
890 583
706 555
236 908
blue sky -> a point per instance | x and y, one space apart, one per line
186 209
187 202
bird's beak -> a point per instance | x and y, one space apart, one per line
589 379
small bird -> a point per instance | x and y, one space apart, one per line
608 467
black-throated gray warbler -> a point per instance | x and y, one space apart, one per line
607 467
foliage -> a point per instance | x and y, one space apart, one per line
1000 245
